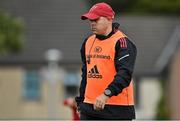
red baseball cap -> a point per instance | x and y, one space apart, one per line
98 10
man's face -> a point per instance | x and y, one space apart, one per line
100 25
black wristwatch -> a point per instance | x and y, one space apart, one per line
108 93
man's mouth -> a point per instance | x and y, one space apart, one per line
93 29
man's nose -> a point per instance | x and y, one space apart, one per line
93 23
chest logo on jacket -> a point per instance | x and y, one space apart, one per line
97 49
94 73
98 56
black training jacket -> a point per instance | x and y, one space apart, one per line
121 80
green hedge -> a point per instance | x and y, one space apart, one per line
162 109
154 7
11 33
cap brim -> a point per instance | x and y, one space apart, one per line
90 16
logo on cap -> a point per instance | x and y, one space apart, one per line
94 7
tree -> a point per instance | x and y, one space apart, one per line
11 34
164 7
142 7
119 6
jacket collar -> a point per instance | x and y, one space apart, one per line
115 27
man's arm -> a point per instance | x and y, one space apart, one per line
125 57
124 63
79 99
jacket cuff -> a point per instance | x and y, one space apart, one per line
113 91
79 100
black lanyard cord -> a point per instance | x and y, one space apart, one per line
88 57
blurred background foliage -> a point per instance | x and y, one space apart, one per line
143 7
11 34
163 109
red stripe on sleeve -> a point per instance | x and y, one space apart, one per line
123 42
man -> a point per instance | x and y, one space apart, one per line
70 102
108 57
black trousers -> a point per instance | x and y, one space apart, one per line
88 117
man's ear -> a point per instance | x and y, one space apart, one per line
110 19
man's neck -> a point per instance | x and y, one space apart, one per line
108 31
103 37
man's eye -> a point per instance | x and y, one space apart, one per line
95 20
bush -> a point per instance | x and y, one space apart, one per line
153 7
11 33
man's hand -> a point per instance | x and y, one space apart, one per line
100 102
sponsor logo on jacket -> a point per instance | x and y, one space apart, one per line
94 73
